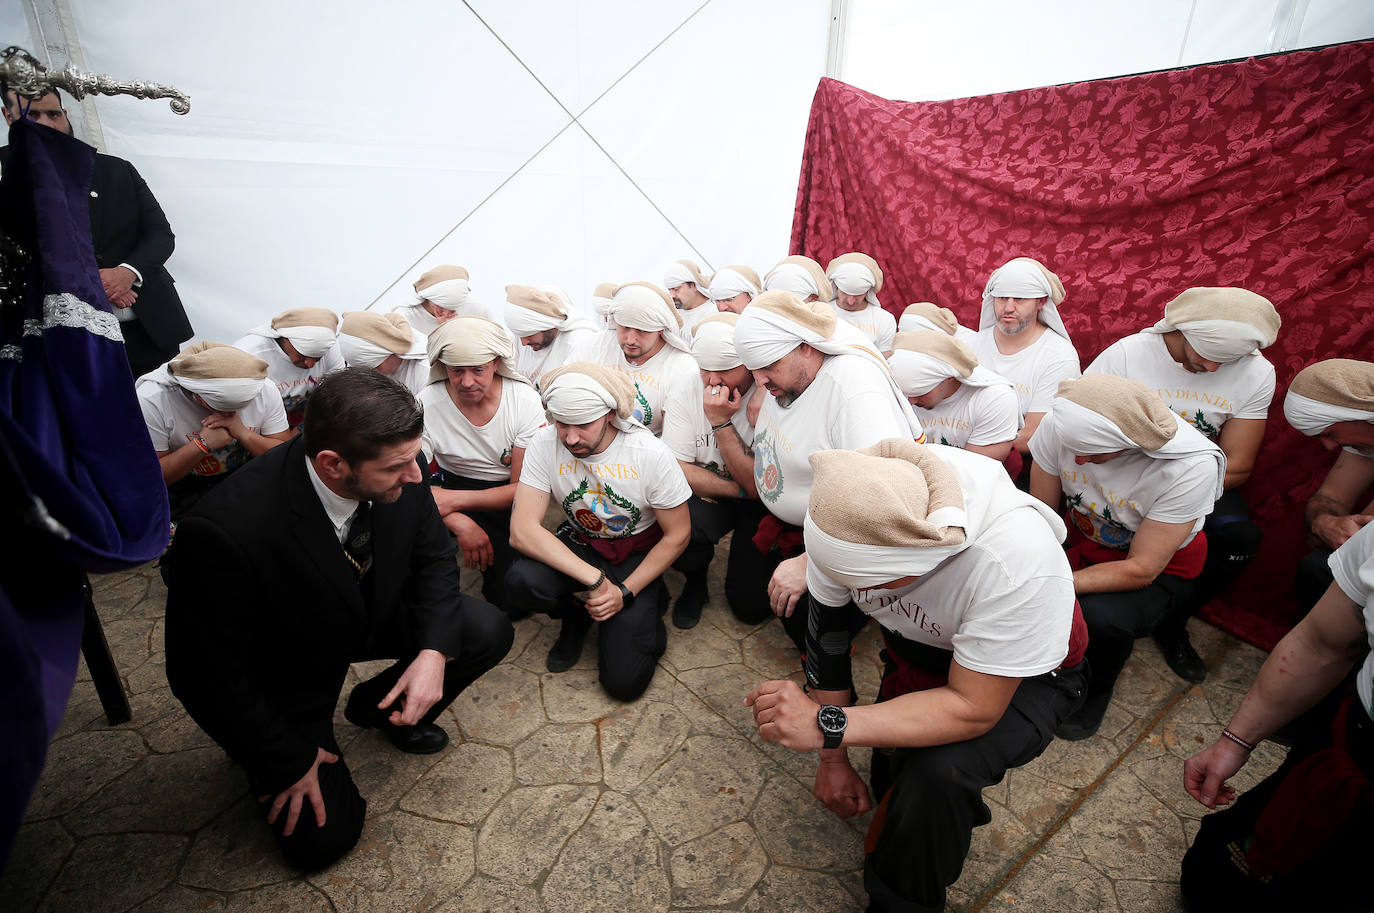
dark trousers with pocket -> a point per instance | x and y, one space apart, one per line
746 568
496 524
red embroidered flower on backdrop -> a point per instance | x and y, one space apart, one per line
1258 174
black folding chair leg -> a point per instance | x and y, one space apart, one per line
102 665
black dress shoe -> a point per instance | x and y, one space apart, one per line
567 649
687 608
361 710
1084 722
1182 658
423 738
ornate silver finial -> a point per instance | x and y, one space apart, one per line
22 72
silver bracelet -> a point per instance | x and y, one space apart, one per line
1237 739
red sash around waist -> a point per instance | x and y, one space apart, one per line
1186 563
617 550
773 533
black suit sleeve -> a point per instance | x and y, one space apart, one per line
155 241
434 598
213 651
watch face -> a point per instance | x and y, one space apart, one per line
832 718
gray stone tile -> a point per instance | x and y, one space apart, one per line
118 595
559 754
525 832
701 647
1128 833
487 895
1074 764
79 765
612 864
174 731
1055 883
718 869
770 653
290 897
383 773
207 784
401 863
178 899
502 707
1038 802
97 875
40 849
800 891
464 786
723 689
83 710
532 658
709 783
994 849
576 696
798 831
150 675
235 852
1149 897
637 739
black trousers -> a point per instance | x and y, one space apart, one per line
496 524
1114 622
143 352
932 798
746 569
486 637
1314 577
1233 539
629 643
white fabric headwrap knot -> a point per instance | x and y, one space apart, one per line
1312 417
855 279
469 341
728 283
1221 324
225 377
306 329
1024 278
582 392
224 394
449 294
678 274
1330 391
790 277
713 344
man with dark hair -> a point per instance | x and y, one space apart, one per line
132 241
323 552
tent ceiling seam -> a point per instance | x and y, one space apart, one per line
573 119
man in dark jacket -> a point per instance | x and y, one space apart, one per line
327 551
132 242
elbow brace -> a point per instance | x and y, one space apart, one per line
827 665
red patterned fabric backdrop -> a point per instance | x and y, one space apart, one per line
1257 174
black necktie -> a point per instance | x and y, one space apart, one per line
358 546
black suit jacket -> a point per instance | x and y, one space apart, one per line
264 612
128 226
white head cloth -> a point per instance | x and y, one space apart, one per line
225 377
922 359
1330 391
312 331
467 341
1085 431
446 286
531 310
728 282
642 306
855 279
582 392
791 277
680 272
1221 324
380 343
771 327
1024 278
925 516
925 315
713 343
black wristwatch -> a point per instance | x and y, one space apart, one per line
832 721
627 598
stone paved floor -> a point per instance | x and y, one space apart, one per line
554 798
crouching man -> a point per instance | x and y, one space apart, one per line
626 504
324 551
984 645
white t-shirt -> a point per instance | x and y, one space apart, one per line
172 417
479 452
413 373
696 315
1353 567
1108 501
972 415
1242 389
567 347
651 379
294 384
1004 605
422 321
686 430
874 322
1035 371
849 405
612 494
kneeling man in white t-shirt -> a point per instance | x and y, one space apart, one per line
626 504
984 651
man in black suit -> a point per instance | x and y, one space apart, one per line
327 551
132 242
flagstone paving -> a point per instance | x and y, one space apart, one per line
552 797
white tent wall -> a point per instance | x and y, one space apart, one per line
335 150
928 50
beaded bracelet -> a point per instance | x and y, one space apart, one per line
599 581
200 442
1237 739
